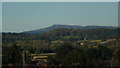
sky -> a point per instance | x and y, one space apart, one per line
26 16
0 16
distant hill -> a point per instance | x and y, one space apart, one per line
38 31
65 34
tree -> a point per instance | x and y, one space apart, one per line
12 55
117 55
105 52
62 51
92 56
27 56
74 58
52 60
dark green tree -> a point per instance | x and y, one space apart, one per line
105 52
12 55
62 50
92 56
74 58
117 56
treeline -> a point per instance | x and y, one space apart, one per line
83 56
64 34
77 34
67 54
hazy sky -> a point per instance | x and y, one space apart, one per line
25 16
0 16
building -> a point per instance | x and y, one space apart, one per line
41 59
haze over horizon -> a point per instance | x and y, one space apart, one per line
56 26
25 16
